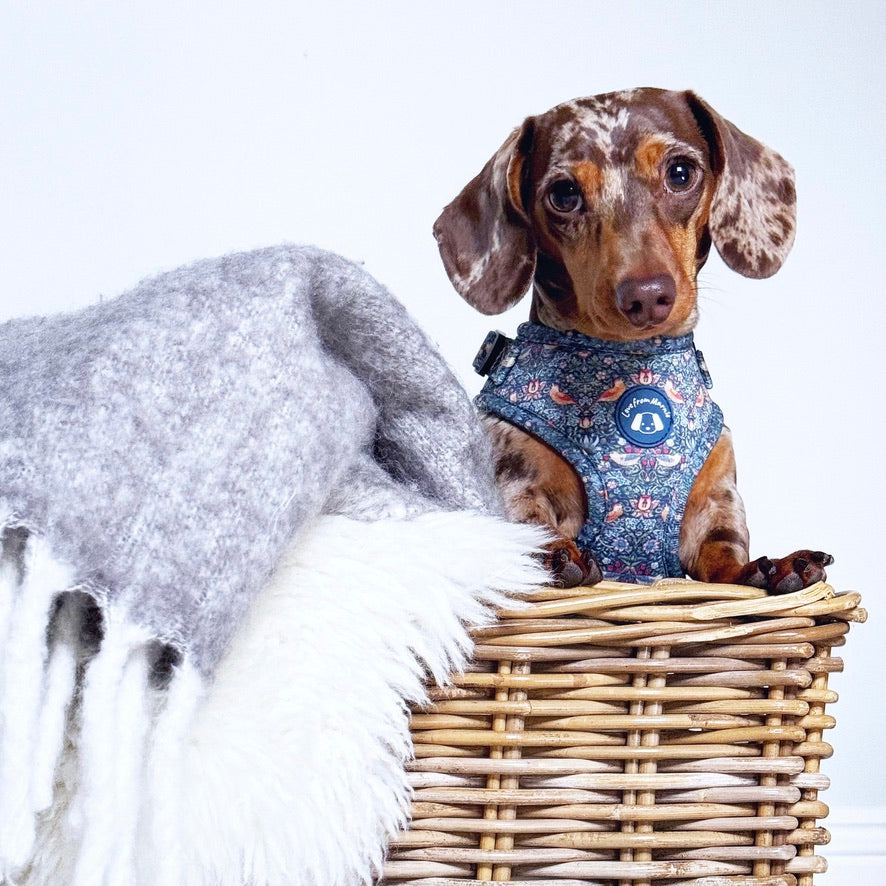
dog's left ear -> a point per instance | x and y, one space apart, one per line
484 234
753 214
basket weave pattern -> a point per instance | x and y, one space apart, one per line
631 735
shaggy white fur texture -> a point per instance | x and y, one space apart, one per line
288 768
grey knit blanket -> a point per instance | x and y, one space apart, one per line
169 443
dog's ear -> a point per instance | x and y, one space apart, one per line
484 234
753 214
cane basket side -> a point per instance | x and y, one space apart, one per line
633 735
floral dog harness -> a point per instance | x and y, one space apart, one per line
634 419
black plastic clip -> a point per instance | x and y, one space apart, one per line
490 351
703 368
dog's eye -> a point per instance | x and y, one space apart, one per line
564 195
680 174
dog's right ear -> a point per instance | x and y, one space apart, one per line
484 234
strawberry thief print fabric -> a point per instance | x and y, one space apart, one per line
634 419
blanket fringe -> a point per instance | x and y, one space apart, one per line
289 766
29 695
166 782
113 723
61 677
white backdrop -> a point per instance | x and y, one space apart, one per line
139 136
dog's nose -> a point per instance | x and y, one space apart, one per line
646 301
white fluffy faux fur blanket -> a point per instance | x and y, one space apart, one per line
288 767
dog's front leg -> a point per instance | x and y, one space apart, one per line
714 537
538 486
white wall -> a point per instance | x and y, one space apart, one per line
139 136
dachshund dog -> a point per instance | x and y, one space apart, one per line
607 206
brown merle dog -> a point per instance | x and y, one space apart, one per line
607 206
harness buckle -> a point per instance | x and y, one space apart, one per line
703 369
490 351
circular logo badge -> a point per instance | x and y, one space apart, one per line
643 415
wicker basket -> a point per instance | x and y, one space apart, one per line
623 735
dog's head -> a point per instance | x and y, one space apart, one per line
609 205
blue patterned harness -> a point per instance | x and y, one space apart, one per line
634 419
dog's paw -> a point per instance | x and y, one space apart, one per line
756 574
798 570
567 566
787 574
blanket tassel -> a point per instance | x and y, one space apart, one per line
34 690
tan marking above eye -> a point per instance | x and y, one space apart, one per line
648 156
590 177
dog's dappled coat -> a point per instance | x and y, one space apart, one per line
607 208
